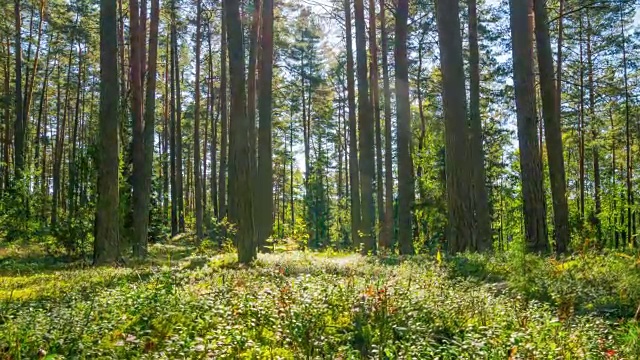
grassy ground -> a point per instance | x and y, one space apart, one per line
332 306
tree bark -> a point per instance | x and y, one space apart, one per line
354 169
19 124
483 238
141 203
460 217
179 147
387 238
240 196
365 120
61 122
581 125
405 164
265 154
107 242
196 128
172 141
6 157
254 41
375 103
627 130
165 139
530 164
224 119
553 130
594 135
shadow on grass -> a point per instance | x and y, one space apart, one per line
32 260
608 298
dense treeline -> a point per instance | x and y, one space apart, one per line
382 126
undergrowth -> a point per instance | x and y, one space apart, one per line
322 306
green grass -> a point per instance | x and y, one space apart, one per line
331 306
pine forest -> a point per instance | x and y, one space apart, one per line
319 179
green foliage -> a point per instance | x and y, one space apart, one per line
327 305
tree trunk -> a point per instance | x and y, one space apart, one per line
405 164
18 132
7 120
594 135
354 171
123 80
581 126
387 239
265 101
460 216
41 107
627 129
28 94
483 238
107 242
174 175
179 147
196 128
137 146
375 103
214 132
558 103
224 119
553 130
254 41
365 121
141 202
530 164
73 170
165 139
240 196
59 146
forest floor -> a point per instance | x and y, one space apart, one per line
184 305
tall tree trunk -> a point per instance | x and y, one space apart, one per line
141 202
73 170
214 132
614 210
264 181
460 215
165 139
174 175
196 128
18 132
354 169
240 196
375 102
581 126
254 41
41 107
405 164
558 103
6 158
530 164
553 130
594 135
483 238
387 238
137 145
107 242
627 129
123 80
28 93
59 146
365 121
224 119
179 172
